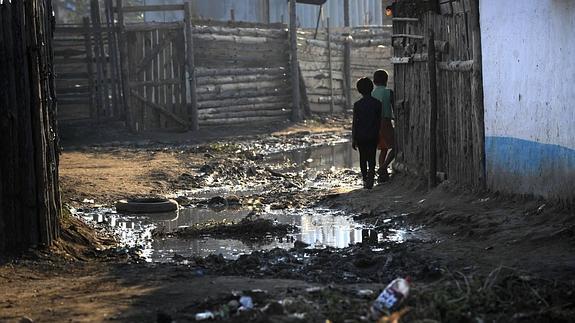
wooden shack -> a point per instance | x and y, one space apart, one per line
29 194
438 90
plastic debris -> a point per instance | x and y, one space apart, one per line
246 303
394 317
205 316
391 298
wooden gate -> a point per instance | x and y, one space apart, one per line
156 85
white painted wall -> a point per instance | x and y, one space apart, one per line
529 83
529 69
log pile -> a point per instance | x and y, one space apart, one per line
29 193
370 51
242 74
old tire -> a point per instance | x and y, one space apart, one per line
146 205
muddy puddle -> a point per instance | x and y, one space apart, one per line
317 227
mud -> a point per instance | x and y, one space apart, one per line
283 219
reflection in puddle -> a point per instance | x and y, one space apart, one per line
318 227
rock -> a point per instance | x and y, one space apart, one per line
252 171
300 245
233 200
26 319
206 169
217 201
208 155
274 308
233 305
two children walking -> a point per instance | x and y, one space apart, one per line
372 127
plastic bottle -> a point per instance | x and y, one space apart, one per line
391 298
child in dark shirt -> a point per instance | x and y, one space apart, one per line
365 130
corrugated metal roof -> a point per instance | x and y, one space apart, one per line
362 12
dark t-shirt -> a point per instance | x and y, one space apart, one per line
366 120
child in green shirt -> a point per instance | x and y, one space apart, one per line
386 132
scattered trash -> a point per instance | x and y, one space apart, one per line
394 317
246 302
205 316
391 298
91 201
366 293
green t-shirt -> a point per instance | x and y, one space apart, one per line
383 94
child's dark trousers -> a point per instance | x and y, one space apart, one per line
367 158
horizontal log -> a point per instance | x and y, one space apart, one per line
204 72
247 107
227 121
371 42
407 36
320 43
238 24
149 26
405 19
243 114
245 40
456 66
252 32
165 7
270 100
238 79
216 89
71 76
243 94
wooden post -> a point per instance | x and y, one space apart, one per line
431 65
346 13
329 59
304 97
124 68
266 11
191 68
477 104
347 59
347 81
317 22
296 114
100 58
113 54
89 64
232 15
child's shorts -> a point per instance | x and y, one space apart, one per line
386 135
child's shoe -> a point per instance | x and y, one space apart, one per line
383 176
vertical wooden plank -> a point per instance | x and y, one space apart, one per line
113 56
89 64
191 68
329 66
125 72
148 113
347 73
162 77
433 110
477 96
294 64
100 59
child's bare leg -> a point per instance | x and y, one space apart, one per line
382 158
389 158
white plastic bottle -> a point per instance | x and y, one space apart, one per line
390 299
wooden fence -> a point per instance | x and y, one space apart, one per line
439 98
182 75
29 193
87 68
326 66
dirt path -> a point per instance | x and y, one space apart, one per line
474 257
